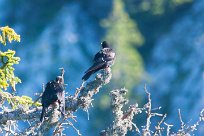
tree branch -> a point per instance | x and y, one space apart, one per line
72 103
122 120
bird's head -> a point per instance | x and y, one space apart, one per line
59 80
104 44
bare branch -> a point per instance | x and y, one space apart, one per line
181 121
146 131
78 90
168 128
158 127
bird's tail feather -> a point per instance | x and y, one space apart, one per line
42 115
87 75
92 70
95 67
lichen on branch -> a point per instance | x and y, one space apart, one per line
122 119
73 103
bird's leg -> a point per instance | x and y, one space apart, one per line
78 90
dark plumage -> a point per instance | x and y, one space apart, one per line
103 59
54 92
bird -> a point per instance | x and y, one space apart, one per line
103 59
54 92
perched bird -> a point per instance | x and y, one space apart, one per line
103 59
54 92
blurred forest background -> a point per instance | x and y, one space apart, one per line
158 42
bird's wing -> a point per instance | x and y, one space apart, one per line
50 94
60 95
97 56
58 90
96 66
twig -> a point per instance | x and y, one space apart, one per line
147 131
78 132
62 72
78 90
194 126
158 127
168 128
43 89
181 121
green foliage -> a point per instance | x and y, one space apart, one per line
8 34
16 101
158 7
123 34
7 76
7 60
180 2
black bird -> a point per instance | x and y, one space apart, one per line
103 59
54 92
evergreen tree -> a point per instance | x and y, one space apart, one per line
124 36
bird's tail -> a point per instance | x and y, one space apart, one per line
92 70
42 114
87 75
